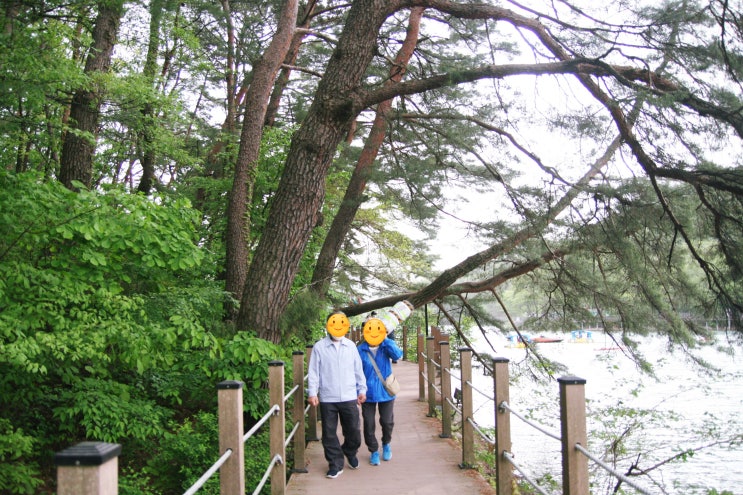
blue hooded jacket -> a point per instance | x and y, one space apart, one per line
386 352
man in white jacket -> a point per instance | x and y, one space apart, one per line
337 384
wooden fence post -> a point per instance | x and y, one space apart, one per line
573 429
446 409
277 426
468 431
503 469
88 468
404 343
431 374
421 367
312 413
437 337
300 463
230 412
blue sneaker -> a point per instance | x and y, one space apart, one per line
386 452
374 459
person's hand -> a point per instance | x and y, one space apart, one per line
314 401
361 399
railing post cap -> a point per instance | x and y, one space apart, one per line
501 359
465 349
229 384
298 353
430 337
572 380
444 342
276 363
87 454
309 346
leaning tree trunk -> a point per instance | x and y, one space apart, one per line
353 197
256 102
300 194
76 163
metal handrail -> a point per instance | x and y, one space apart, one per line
275 409
276 459
291 435
482 434
290 393
619 475
209 472
509 457
504 406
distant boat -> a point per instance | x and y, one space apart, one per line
546 340
581 336
517 342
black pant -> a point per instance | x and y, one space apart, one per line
348 412
386 421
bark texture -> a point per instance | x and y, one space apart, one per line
302 188
256 102
76 162
353 196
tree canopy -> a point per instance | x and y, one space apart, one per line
185 185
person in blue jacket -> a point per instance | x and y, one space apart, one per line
379 347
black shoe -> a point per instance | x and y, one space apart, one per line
334 473
353 462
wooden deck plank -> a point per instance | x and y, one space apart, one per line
422 462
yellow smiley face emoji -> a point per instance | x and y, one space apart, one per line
338 325
374 331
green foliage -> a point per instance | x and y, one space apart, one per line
37 76
274 147
304 318
105 335
245 357
189 449
17 477
108 411
257 461
100 328
186 451
75 268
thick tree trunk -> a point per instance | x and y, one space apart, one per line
256 101
302 188
353 197
11 10
146 134
76 162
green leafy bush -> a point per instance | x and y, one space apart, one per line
101 324
17 477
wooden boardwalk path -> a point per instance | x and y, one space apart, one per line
422 462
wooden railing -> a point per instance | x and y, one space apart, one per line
435 376
91 468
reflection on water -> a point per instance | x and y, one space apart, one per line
683 408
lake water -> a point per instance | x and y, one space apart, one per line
684 407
